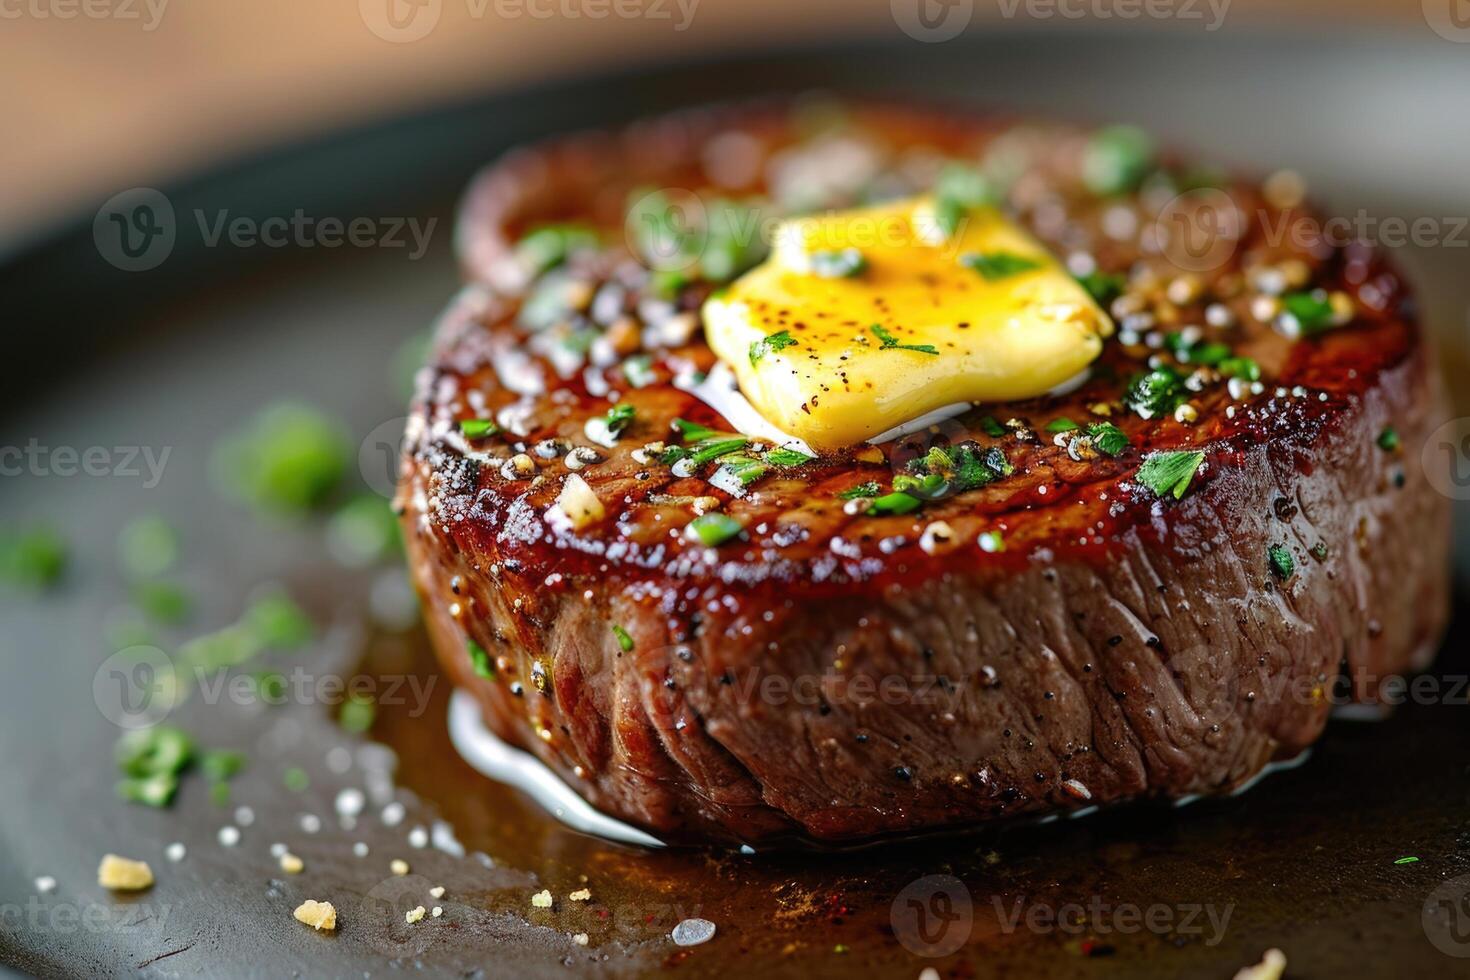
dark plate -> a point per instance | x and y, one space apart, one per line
176 356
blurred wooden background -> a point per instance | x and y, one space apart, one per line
100 95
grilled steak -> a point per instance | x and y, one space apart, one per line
1160 582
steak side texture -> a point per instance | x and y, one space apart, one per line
1063 636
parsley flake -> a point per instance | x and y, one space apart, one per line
994 266
773 344
1170 473
890 342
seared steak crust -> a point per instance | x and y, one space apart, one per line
1058 638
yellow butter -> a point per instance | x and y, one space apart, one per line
832 360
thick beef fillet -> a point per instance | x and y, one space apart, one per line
1066 635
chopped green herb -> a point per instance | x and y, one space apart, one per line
994 266
221 765
1311 312
897 502
219 794
714 528
743 469
357 714
551 301
890 342
150 751
162 602
1107 438
478 428
784 456
1240 367
1103 287
1319 551
1407 860
1388 440
295 779
963 467
692 431
270 686
1170 473
363 531
147 546
958 190
277 622
33 558
625 642
1283 566
638 369
290 457
619 417
549 245
991 427
667 283
1061 425
869 489
480 660
704 450
228 647
928 486
1157 392
840 264
1116 160
992 542
733 241
156 790
1208 355
773 344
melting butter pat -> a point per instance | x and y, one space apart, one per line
862 320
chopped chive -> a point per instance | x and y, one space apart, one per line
290 457
1116 160
1388 440
148 546
889 342
1410 859
1156 392
150 751
625 642
156 790
357 714
1170 473
714 528
619 417
894 503
992 542
478 428
1061 425
276 621
995 266
162 602
991 427
773 344
219 794
741 469
784 456
869 489
1310 311
692 431
295 779
1283 566
32 558
221 765
1103 287
480 660
959 190
1240 367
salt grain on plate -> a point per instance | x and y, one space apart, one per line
311 823
360 849
244 816
278 849
393 814
398 866
542 899
350 802
437 891
175 852
580 939
436 912
418 837
45 884
692 932
339 760
229 835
